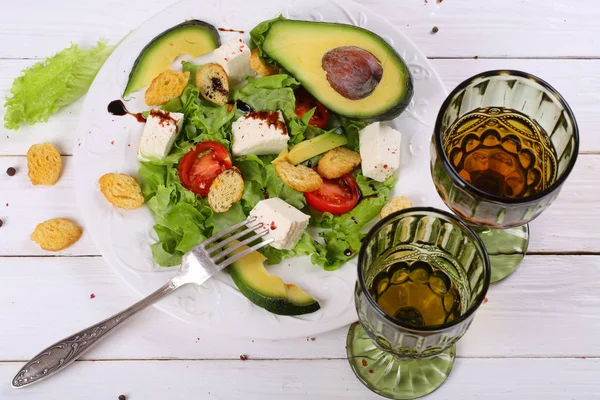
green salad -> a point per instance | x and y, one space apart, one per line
183 219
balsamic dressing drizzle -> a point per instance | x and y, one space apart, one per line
117 107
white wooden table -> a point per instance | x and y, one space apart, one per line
538 336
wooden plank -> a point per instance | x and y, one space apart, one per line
543 310
490 379
583 94
511 28
569 225
23 206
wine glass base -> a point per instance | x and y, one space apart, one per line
391 377
505 247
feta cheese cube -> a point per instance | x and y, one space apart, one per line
259 133
234 57
159 133
285 222
379 151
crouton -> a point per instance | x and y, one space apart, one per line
226 190
213 82
167 86
44 164
121 190
299 177
259 65
395 204
337 162
56 234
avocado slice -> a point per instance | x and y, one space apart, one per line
269 291
310 148
191 37
315 53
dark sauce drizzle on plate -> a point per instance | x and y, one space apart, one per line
229 30
117 107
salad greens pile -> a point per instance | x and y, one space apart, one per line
56 82
183 219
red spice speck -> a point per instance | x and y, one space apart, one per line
243 357
79 145
7 137
113 142
242 136
364 363
6 204
93 360
226 59
370 371
128 144
273 227
485 300
92 296
583 358
241 41
385 166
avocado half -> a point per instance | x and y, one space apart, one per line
269 291
191 37
299 47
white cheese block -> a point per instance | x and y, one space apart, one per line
259 133
379 151
159 133
285 222
234 57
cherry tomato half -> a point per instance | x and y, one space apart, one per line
337 196
305 102
198 173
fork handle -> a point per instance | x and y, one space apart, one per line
61 354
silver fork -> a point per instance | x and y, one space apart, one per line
198 265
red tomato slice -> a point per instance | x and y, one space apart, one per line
337 196
198 173
305 102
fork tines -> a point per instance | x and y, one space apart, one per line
236 246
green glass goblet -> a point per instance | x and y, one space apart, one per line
503 145
422 273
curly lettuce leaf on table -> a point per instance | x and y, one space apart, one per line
56 82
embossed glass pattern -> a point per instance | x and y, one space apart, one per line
533 145
504 90
394 355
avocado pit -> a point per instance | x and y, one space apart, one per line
351 71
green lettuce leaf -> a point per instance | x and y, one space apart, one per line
58 81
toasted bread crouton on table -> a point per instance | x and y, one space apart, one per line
121 190
338 162
167 86
226 190
213 82
299 177
44 164
395 204
56 234
259 65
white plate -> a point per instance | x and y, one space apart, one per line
107 143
